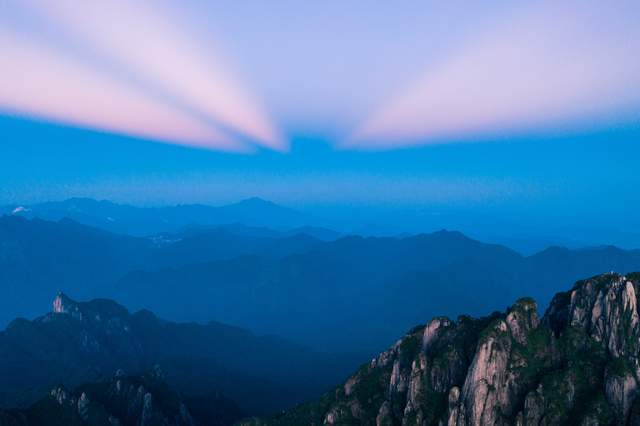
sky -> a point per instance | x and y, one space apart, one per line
520 118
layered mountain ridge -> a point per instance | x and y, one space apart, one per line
578 364
141 221
374 287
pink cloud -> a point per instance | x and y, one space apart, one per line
42 83
551 65
155 49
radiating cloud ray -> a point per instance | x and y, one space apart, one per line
42 83
552 66
152 46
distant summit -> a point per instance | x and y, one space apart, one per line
63 305
95 310
254 202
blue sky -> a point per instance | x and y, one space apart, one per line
413 115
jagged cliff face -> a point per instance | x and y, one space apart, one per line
579 364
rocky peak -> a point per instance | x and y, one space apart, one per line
62 304
603 307
101 313
60 394
522 318
432 329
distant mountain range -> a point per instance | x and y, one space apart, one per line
261 217
352 294
38 257
85 342
577 365
358 293
143 221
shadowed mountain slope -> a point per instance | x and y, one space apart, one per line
352 294
358 293
123 401
83 342
38 257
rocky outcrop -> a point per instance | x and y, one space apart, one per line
63 305
494 385
578 364
122 401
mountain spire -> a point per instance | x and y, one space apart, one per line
62 304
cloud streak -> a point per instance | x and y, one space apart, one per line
43 84
555 65
149 78
154 47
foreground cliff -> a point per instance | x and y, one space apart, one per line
578 364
